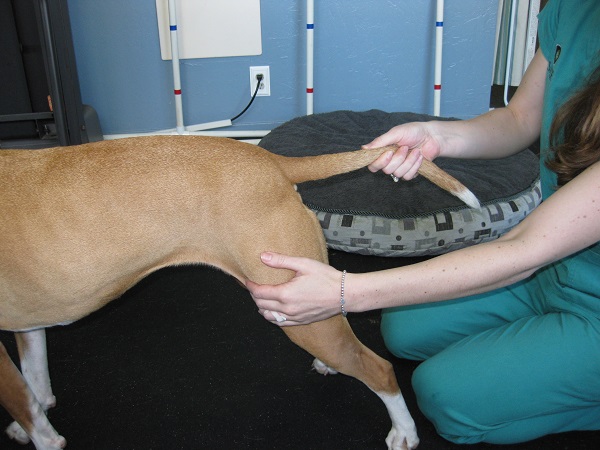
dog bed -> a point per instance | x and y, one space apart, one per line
368 213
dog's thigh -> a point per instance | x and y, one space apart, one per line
290 229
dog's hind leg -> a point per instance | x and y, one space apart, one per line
333 342
334 345
22 403
403 428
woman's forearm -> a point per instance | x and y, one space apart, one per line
494 135
458 274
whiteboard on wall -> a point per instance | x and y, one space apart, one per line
210 29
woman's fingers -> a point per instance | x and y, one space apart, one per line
403 163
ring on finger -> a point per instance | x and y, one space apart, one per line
279 317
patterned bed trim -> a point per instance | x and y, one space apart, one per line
428 235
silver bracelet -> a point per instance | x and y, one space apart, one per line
342 299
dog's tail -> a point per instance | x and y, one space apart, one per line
309 168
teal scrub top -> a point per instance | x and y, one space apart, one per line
569 35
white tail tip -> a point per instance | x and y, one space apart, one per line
469 198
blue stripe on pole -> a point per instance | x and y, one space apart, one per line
310 26
439 24
173 27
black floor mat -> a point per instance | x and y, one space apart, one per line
184 361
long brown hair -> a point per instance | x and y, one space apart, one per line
575 132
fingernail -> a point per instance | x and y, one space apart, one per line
266 256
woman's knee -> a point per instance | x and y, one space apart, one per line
447 403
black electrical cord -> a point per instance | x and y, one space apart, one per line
259 78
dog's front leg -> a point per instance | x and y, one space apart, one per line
34 365
20 400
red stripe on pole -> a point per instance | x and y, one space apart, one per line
177 91
437 87
309 90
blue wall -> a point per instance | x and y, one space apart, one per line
369 54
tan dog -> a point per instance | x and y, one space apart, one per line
80 225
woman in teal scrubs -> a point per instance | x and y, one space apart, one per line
509 330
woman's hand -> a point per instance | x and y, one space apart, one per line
414 140
312 295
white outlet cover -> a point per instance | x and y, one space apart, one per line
265 91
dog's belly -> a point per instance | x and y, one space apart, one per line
43 296
24 310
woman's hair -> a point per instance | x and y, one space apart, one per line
575 132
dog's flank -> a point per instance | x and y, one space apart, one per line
80 225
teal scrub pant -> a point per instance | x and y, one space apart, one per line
507 366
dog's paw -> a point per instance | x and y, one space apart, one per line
403 435
47 439
48 402
402 439
17 433
51 443
323 368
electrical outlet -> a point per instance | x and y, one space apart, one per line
265 85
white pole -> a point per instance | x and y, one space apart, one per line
532 27
437 82
175 60
509 52
310 28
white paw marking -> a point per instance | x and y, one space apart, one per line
323 368
17 433
403 435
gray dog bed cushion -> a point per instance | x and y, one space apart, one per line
368 213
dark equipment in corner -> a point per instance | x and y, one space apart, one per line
40 102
